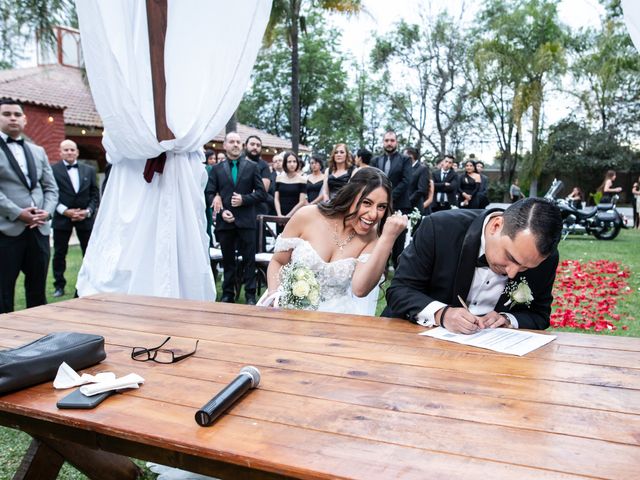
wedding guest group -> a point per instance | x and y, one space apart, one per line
78 201
28 198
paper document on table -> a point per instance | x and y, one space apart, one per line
503 340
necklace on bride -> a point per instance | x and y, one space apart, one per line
336 238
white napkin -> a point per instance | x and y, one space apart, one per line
67 377
128 381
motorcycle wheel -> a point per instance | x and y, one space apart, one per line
608 232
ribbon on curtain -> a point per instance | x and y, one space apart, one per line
150 239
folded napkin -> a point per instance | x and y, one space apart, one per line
128 381
67 377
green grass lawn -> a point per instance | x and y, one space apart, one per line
625 249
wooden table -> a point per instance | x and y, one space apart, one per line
340 397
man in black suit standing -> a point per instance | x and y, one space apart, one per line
398 168
501 263
77 205
252 150
28 197
420 180
445 183
236 187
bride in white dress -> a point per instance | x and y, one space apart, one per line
346 242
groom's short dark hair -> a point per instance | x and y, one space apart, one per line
539 215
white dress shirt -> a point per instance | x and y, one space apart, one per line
442 196
486 288
18 153
74 176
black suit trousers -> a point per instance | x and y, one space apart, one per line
27 253
60 249
244 239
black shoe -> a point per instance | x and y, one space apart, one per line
228 299
250 300
58 293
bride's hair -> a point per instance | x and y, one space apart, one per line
361 184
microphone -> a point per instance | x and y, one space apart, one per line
249 378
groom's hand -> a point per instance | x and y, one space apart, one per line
460 320
493 320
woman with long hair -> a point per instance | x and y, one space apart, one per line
346 242
315 180
339 171
606 187
469 186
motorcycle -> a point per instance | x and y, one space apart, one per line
602 221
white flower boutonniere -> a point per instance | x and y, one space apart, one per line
519 293
414 218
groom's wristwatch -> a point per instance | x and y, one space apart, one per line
506 317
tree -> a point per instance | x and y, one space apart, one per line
327 106
21 20
530 31
609 65
289 15
424 65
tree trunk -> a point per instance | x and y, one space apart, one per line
295 76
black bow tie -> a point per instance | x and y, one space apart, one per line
69 167
481 262
20 141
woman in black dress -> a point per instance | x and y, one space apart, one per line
315 180
469 186
341 167
291 187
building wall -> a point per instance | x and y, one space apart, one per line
43 132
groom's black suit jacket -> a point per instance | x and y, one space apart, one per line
439 265
249 185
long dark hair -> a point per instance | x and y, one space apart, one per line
361 184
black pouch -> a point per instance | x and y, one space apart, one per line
38 361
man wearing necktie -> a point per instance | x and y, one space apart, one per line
445 183
397 167
28 197
478 257
234 188
77 204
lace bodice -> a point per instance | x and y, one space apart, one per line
334 277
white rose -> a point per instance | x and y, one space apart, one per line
300 289
522 294
300 274
314 297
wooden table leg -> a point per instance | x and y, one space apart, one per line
96 464
40 462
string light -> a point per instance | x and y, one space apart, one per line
50 119
83 131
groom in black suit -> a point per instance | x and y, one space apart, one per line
77 204
478 255
235 188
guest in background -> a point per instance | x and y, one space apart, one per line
445 183
78 200
421 186
363 158
607 189
635 191
341 167
210 158
515 193
483 194
276 163
291 188
469 186
315 180
575 198
220 157
252 150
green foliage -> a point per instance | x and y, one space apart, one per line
21 20
328 112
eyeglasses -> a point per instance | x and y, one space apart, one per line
159 354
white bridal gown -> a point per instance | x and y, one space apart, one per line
334 278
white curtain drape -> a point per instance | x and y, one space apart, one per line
150 239
631 9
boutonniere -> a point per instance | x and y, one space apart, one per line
518 292
414 218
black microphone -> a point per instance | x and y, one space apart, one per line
249 378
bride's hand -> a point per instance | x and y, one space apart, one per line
395 225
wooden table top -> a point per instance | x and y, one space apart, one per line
346 396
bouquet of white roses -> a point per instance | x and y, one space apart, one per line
299 288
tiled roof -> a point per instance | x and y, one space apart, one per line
65 87
55 86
